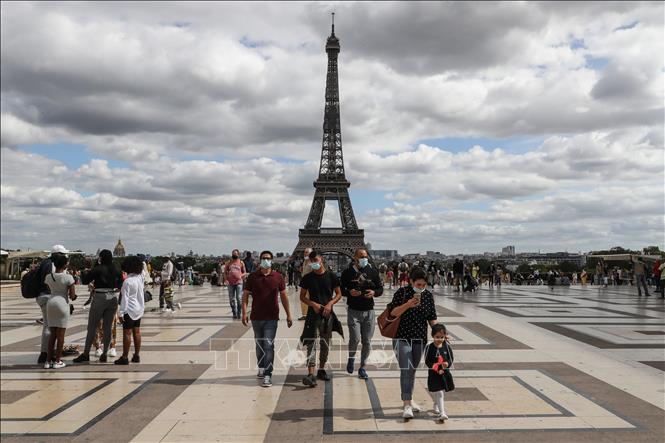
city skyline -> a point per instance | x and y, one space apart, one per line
466 127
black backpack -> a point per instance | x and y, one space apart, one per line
31 287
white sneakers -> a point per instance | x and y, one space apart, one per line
54 365
415 407
440 415
260 373
267 382
100 351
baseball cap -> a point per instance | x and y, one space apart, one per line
59 249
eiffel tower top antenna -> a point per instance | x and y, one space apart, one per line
333 23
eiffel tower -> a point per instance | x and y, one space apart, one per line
331 183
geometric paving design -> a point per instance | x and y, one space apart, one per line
570 365
611 335
63 402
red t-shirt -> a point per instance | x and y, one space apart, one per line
234 272
264 290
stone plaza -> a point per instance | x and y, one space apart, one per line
575 364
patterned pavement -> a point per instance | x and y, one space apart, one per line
573 364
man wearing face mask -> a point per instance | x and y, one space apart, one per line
322 286
360 283
265 285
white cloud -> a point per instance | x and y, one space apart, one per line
215 111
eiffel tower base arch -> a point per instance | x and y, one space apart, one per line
330 241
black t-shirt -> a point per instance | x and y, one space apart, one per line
321 287
103 277
45 268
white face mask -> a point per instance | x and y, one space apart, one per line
418 290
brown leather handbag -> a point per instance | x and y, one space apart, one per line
388 324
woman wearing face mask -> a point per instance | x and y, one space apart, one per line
414 305
235 273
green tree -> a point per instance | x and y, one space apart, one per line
484 265
653 250
568 267
524 268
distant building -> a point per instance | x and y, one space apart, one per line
119 250
508 251
432 255
384 254
552 258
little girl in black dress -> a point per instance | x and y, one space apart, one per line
439 359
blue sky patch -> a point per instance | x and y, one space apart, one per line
71 155
596 63
514 145
577 43
365 200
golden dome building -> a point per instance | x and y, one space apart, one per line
119 250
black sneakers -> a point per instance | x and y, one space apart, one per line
309 380
322 375
136 359
121 361
102 358
82 358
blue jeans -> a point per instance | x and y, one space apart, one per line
264 336
361 327
235 294
409 354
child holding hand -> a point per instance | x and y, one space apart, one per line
439 358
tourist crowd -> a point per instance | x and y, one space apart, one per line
119 294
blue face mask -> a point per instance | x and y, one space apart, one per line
265 264
363 262
418 290
315 266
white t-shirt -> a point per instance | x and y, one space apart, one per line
132 300
59 283
167 270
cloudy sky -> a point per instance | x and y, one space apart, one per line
466 127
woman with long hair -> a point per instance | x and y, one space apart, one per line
106 279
